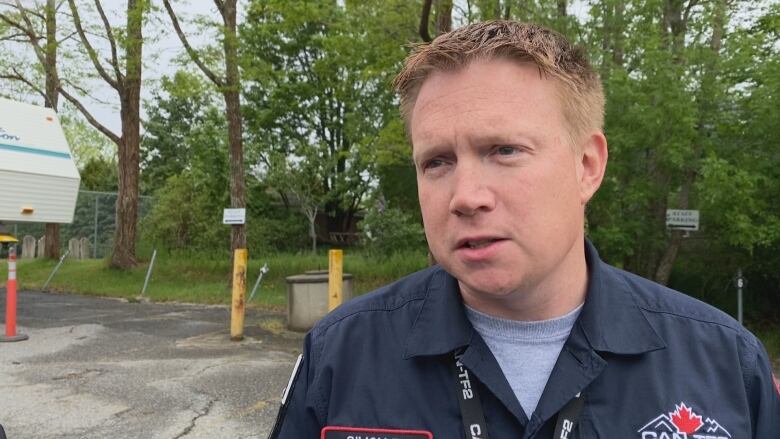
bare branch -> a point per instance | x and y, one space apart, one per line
113 82
111 40
91 119
34 38
67 37
221 7
16 76
85 92
219 82
21 8
26 28
16 24
15 38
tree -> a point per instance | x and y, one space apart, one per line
294 179
318 77
176 111
127 85
666 101
230 86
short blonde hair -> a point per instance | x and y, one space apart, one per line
581 93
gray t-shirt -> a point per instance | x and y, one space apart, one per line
526 351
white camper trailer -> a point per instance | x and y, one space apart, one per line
39 181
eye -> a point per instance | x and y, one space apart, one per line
506 150
433 163
435 166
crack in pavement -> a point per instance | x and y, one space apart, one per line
199 415
81 374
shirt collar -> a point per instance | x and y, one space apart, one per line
610 319
441 325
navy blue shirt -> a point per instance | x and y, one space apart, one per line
650 362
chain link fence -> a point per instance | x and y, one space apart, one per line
94 219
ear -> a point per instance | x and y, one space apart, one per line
592 165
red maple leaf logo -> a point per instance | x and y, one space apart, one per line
685 420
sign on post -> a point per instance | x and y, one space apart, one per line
681 219
234 216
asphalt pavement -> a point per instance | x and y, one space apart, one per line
107 368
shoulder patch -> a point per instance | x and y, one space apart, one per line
288 388
285 395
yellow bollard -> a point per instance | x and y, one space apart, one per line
239 293
335 278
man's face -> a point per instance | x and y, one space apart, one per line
502 189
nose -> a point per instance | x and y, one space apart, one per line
471 193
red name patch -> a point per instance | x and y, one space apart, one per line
777 384
372 433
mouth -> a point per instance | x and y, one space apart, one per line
477 243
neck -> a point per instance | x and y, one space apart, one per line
557 294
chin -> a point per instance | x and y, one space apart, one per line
489 284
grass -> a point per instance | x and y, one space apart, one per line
187 277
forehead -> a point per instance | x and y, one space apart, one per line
487 96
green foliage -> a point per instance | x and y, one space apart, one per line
319 95
386 231
272 227
198 226
395 170
86 143
201 276
172 138
99 174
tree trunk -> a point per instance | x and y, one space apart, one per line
123 255
52 248
443 16
52 79
561 8
233 109
707 111
313 231
666 263
425 16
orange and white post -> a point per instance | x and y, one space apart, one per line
10 301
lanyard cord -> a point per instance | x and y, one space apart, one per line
470 405
474 418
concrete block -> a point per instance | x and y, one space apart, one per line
28 247
307 298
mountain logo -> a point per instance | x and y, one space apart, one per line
683 423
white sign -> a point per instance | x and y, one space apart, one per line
234 216
679 219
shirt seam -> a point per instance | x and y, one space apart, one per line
689 317
407 301
749 370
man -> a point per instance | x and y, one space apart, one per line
521 331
